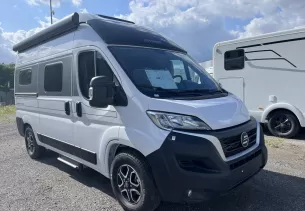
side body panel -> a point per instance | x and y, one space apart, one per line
26 96
54 122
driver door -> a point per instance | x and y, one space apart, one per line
90 122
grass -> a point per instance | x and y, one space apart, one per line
7 113
5 110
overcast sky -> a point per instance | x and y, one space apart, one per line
195 25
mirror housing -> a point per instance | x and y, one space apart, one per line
101 92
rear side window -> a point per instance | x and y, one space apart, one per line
53 78
235 60
25 77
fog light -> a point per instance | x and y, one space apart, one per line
189 193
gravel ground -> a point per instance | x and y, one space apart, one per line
47 184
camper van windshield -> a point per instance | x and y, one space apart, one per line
163 73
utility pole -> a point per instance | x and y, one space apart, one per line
51 11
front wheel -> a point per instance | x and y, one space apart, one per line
283 124
133 184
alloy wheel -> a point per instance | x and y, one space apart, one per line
129 184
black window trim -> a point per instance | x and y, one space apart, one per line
62 75
241 49
25 69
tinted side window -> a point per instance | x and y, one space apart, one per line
102 67
86 71
25 77
235 60
53 78
91 64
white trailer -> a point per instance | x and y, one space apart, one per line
267 73
208 66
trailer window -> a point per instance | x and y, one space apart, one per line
91 64
234 60
53 77
25 77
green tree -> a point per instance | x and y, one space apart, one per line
6 77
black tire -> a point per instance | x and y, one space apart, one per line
283 124
34 150
149 198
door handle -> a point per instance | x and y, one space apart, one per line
67 108
79 109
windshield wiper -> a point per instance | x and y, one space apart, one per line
198 92
202 91
157 88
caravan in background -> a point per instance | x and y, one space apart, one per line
267 73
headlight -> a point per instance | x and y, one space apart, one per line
170 121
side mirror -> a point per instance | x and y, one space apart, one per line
101 92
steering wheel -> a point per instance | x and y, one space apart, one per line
178 76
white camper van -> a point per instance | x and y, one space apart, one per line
267 73
121 99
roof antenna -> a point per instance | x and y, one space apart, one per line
51 11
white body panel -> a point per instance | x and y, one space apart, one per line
274 80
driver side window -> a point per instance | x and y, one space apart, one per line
91 64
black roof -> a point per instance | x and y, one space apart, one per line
117 33
112 30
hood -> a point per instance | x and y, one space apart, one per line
218 113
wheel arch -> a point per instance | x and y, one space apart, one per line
22 123
283 107
113 149
137 140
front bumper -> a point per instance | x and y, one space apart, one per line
193 163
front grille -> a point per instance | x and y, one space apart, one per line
232 145
196 164
245 160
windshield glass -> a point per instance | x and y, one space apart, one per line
162 73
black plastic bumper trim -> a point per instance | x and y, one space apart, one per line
207 175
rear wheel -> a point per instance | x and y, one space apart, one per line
283 124
34 150
133 184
